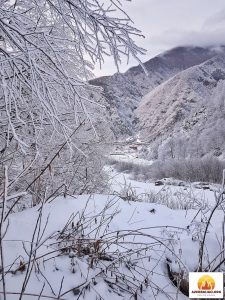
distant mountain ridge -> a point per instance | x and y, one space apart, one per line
123 92
185 115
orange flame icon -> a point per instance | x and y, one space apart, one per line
206 283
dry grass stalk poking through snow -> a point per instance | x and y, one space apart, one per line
93 260
100 251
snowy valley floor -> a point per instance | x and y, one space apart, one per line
103 247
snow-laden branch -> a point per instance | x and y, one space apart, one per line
47 52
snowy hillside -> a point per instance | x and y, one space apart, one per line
123 92
189 106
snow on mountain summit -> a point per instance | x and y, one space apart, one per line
123 92
186 106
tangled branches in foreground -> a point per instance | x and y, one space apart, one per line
100 251
122 259
96 260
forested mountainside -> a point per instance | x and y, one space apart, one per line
185 116
123 92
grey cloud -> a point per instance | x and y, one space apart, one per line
215 20
174 38
212 33
170 23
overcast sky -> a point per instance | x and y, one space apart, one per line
170 23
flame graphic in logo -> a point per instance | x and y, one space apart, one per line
206 283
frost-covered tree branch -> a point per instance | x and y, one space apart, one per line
48 49
47 52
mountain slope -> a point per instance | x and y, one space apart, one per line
123 92
187 112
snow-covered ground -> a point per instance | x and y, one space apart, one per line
177 195
126 155
102 247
